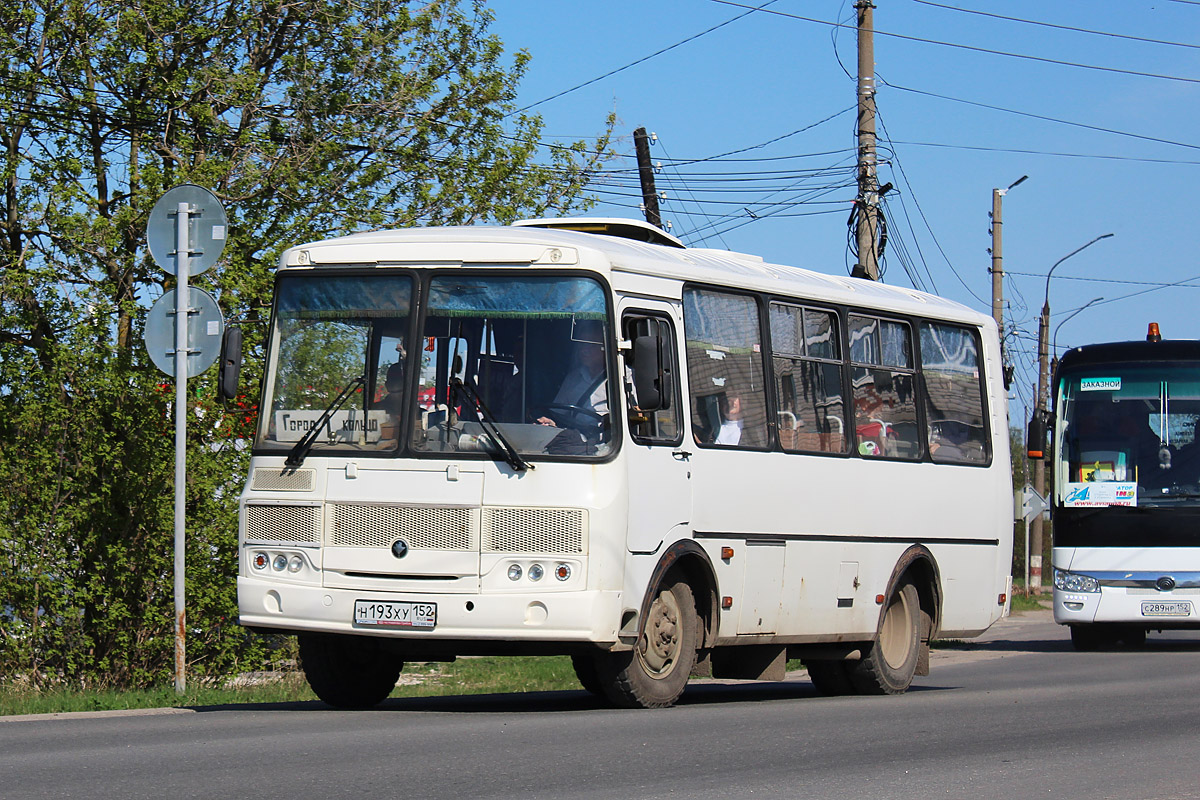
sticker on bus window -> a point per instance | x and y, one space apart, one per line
1116 493
1099 384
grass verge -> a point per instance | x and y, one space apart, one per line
465 676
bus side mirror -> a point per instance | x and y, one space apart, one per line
1035 436
231 363
648 373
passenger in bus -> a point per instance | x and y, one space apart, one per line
730 406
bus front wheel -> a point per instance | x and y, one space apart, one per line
891 661
348 671
655 672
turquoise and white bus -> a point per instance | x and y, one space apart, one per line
580 437
1126 499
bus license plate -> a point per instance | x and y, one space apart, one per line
1182 609
395 614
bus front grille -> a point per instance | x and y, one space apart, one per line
283 523
285 480
534 530
365 525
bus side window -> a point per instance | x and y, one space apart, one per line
664 424
725 369
885 403
953 393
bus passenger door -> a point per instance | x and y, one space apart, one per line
660 493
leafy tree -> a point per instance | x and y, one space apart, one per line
307 119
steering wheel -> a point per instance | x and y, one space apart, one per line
574 409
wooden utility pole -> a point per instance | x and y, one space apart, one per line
641 146
867 229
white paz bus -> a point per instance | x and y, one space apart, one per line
1126 499
580 437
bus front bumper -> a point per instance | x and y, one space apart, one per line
574 617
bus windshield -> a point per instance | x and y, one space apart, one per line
1127 435
501 365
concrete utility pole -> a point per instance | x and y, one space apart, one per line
641 146
998 257
867 230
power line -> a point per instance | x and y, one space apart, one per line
1023 151
1037 116
1057 27
972 48
641 60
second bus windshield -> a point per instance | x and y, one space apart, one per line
1127 436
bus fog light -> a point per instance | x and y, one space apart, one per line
536 572
562 572
514 572
296 564
1072 582
260 561
280 563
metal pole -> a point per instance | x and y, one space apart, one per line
1039 469
182 256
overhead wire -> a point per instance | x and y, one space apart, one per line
973 48
1071 28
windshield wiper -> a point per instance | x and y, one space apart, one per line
488 423
300 450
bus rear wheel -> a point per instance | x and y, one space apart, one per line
891 661
348 671
655 672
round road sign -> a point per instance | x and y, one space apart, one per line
204 330
207 227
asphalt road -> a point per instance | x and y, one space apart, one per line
1016 714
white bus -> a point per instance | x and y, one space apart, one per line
580 437
1126 503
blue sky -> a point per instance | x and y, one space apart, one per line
1123 157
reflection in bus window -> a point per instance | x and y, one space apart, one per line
882 377
724 355
808 379
954 394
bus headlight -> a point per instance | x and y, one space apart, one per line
1074 582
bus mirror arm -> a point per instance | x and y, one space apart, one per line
1035 436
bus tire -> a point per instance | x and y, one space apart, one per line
831 677
585 671
1133 637
891 661
655 672
348 671
1086 638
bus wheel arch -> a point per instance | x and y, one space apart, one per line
908 619
677 619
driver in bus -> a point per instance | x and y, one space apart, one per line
581 402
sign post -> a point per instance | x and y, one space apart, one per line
185 226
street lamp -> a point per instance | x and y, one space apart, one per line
1034 553
1054 338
